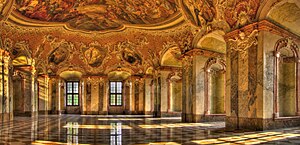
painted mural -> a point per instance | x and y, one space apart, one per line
199 12
97 15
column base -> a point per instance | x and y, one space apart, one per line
259 124
5 117
170 114
43 112
191 118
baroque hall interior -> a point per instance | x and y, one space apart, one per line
149 71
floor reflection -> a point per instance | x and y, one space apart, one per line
256 138
72 133
75 129
116 134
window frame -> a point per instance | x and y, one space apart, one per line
116 94
72 93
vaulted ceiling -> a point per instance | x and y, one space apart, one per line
98 37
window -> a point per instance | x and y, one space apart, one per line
72 93
115 94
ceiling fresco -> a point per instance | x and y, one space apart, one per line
89 36
97 15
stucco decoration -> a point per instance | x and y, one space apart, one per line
243 42
5 8
128 52
94 54
97 15
61 51
199 12
19 51
240 12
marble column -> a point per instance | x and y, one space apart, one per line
43 97
148 96
193 88
6 100
141 96
53 83
101 97
157 95
164 89
187 72
127 95
34 91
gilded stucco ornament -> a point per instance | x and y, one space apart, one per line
62 50
5 8
199 12
2 4
184 40
129 52
8 44
20 48
243 42
239 13
94 54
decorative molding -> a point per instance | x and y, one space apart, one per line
203 52
243 42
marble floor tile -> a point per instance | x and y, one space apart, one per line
117 130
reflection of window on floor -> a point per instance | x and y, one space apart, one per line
72 133
116 134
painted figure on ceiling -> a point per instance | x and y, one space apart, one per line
98 14
2 4
199 12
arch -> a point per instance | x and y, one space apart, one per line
285 14
77 69
170 57
215 69
286 79
174 94
213 41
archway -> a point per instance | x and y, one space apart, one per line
215 86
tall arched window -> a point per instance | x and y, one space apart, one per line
286 79
215 86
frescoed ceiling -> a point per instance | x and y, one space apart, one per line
98 37
97 15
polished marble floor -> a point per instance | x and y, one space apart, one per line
115 130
